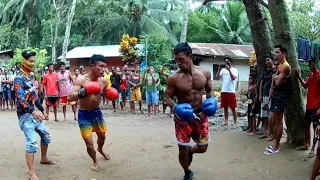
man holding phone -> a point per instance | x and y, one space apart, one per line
228 75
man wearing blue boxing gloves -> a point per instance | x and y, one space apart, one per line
190 114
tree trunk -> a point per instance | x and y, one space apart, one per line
284 35
67 32
183 37
56 31
260 32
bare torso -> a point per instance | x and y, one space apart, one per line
190 88
93 100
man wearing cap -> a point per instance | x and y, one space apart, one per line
31 121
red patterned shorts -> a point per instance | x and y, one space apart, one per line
197 129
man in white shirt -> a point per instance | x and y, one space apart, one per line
228 75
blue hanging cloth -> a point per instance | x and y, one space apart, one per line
143 66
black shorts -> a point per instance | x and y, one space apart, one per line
13 94
311 117
278 105
52 99
252 112
124 93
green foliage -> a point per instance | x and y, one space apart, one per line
40 61
159 53
305 18
226 23
11 37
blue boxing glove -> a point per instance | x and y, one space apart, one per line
183 111
209 106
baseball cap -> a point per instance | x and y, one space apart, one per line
26 54
81 67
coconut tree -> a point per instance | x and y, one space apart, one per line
23 12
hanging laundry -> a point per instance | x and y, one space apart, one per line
315 53
304 49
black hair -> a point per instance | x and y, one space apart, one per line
312 60
49 64
97 57
228 58
282 49
253 75
62 64
270 57
184 48
26 54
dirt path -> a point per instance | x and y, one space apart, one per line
143 149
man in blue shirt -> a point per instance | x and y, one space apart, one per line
30 120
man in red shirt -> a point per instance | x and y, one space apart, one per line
312 105
50 84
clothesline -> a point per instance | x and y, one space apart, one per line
308 50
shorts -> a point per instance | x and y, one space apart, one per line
251 112
263 113
52 101
278 105
64 101
6 95
152 98
311 117
228 100
124 93
135 94
91 121
30 128
13 94
198 130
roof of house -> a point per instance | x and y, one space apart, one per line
88 51
9 51
231 50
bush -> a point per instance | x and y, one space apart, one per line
159 53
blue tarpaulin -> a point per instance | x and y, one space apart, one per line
143 66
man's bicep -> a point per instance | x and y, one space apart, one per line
208 86
170 90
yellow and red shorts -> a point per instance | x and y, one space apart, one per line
64 101
91 121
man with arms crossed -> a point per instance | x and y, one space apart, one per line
278 96
228 75
191 115
31 121
87 90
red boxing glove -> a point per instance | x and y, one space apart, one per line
111 94
93 87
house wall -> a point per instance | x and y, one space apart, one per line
111 61
4 59
241 64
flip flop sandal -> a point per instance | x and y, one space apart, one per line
263 137
301 148
267 148
50 162
311 155
271 152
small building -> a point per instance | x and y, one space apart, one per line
5 57
211 55
81 56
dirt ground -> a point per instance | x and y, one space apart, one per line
143 149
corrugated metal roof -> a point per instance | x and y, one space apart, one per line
88 51
212 49
5 51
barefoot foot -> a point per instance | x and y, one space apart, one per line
33 176
105 155
95 167
252 134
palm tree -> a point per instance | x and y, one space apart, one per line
229 21
143 17
24 12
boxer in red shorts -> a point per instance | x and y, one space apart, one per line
190 113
